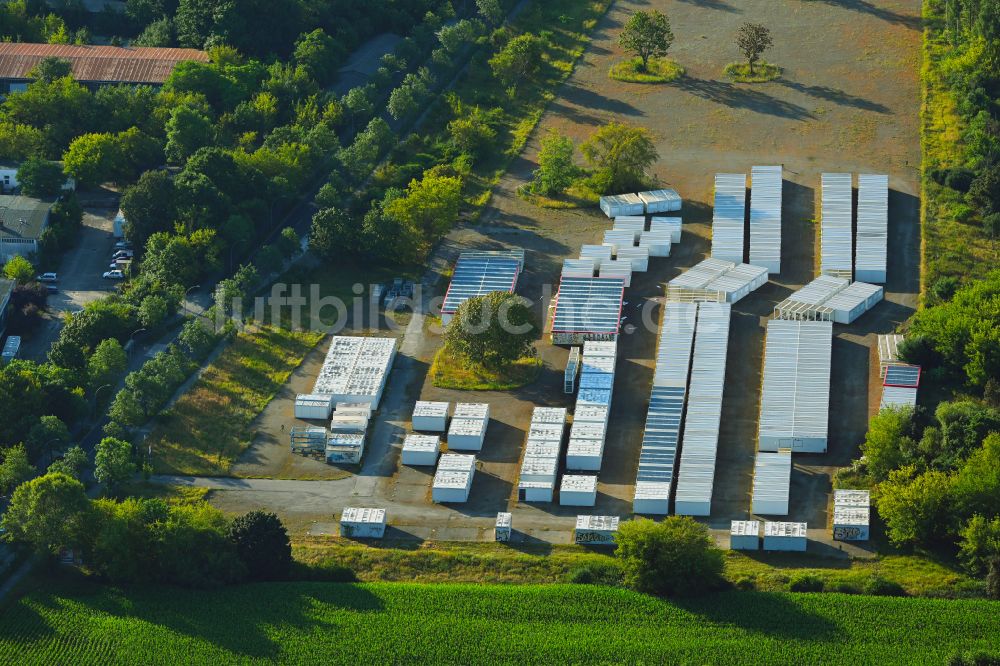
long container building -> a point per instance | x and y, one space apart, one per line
543 448
850 303
765 217
772 480
597 376
872 239
795 401
728 233
587 309
716 281
700 439
837 233
658 456
355 369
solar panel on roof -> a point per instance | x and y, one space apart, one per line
902 375
477 274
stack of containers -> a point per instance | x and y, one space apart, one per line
539 467
355 369
420 449
772 479
636 223
453 478
873 228
617 269
765 217
837 235
596 253
311 406
738 282
345 448
795 399
430 416
850 303
700 441
689 286
661 201
616 205
583 268
671 224
851 515
728 237
638 256
578 490
657 242
468 426
785 536
618 239
597 377
899 387
807 304
658 456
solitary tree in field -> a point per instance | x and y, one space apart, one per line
648 35
620 154
492 330
556 170
753 39
673 557
262 544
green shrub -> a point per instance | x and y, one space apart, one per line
746 583
843 587
880 586
805 582
674 557
945 287
963 212
975 659
959 179
597 573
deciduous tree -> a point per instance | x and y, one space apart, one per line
556 170
519 59
493 330
262 544
48 513
113 462
753 39
40 178
648 35
620 154
675 557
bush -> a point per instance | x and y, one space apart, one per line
745 583
958 179
806 582
674 557
599 573
945 287
879 586
975 659
262 545
843 587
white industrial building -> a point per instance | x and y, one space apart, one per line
453 478
872 239
430 416
785 536
765 217
661 201
616 205
355 369
836 225
578 490
480 273
716 281
596 530
772 479
728 233
420 449
700 438
744 535
362 523
795 399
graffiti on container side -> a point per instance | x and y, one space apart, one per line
848 533
594 537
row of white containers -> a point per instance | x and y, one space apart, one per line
729 210
872 238
655 201
658 456
765 217
453 478
355 369
845 251
716 280
467 430
700 439
836 230
829 298
543 448
593 404
745 535
795 399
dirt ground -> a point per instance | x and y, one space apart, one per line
848 100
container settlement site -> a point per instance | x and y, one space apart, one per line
644 429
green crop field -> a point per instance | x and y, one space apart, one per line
383 623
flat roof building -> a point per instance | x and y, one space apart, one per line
22 221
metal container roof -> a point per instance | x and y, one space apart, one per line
836 234
415 442
795 400
728 235
783 529
588 306
849 497
765 217
630 223
478 275
873 227
898 396
578 483
808 303
850 303
744 528
656 197
97 64
472 410
600 523
772 478
888 348
902 375
362 515
430 409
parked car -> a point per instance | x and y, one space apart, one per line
52 288
120 264
123 245
48 277
114 275
123 254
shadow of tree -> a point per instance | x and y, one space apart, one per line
763 613
714 4
888 15
834 95
728 94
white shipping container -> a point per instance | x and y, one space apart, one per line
657 243
638 256
728 233
672 224
852 302
578 490
582 268
453 478
765 217
636 223
872 238
345 448
362 523
836 228
596 530
651 497
503 527
616 205
852 498
585 455
785 536
772 479
617 269
466 434
619 239
851 523
535 491
420 449
744 535
430 416
661 201
315 407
